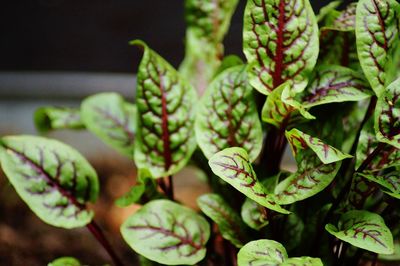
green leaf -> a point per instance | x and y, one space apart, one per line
165 137
300 141
325 10
52 178
388 157
52 118
334 84
132 196
387 115
168 233
377 34
302 261
207 23
227 115
65 261
280 42
111 119
317 166
364 230
262 252
233 166
390 181
229 223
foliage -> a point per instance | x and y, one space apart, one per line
327 85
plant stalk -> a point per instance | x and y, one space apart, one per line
100 237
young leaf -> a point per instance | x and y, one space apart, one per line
65 261
281 114
334 84
388 157
229 223
144 191
280 41
51 118
227 116
52 178
111 119
167 233
326 10
262 252
387 115
165 116
377 33
318 164
390 181
207 23
253 215
364 230
301 141
233 166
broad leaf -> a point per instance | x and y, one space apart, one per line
318 164
280 41
229 223
388 157
253 214
387 115
111 119
65 261
234 167
390 181
364 230
262 252
227 115
334 84
167 233
377 33
52 118
52 178
207 23
165 116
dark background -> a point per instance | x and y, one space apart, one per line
93 35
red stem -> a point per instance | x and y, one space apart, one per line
99 235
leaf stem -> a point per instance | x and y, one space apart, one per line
100 237
171 187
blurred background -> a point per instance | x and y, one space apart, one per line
56 52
